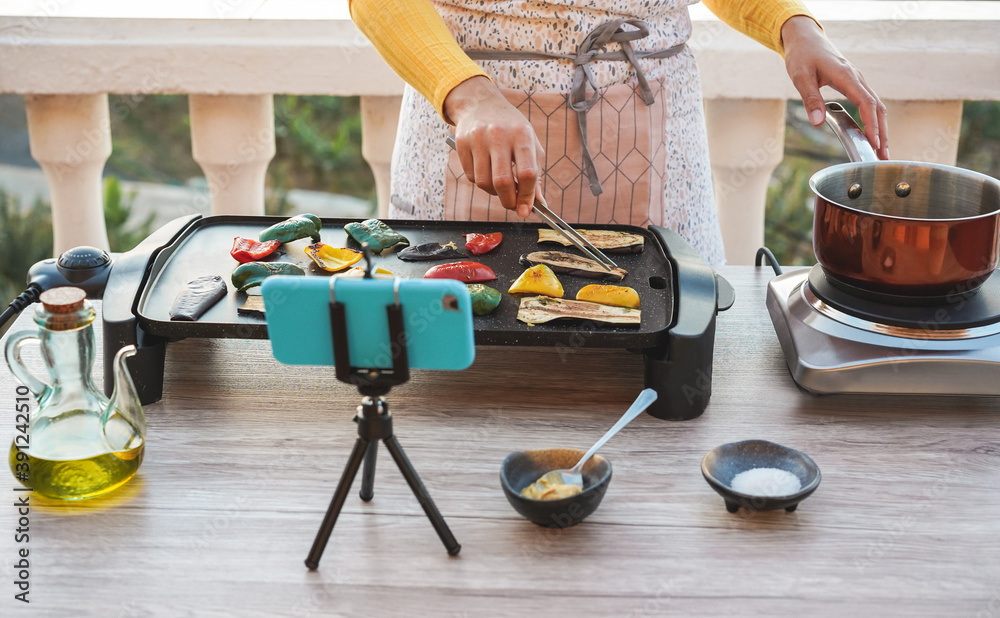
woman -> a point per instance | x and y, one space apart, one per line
595 104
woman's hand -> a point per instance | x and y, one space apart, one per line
813 62
494 142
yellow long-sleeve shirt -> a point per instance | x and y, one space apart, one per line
416 43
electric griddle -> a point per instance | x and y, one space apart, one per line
680 296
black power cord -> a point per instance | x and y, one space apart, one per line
17 305
771 260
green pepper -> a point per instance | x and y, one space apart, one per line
251 274
378 235
297 227
484 298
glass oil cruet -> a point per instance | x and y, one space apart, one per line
79 444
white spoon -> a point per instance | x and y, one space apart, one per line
573 475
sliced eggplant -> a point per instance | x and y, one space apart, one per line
609 241
431 251
254 305
562 262
540 309
197 297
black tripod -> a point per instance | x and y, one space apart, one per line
374 424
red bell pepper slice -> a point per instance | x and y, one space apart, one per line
479 244
468 272
248 250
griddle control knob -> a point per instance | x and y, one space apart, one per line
81 263
84 258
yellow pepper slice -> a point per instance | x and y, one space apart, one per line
538 279
358 271
613 295
330 258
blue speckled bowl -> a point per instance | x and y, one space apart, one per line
722 463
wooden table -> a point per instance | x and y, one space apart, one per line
244 454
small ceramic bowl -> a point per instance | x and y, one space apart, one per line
522 468
722 463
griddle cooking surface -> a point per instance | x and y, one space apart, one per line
204 250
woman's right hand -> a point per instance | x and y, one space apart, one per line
498 148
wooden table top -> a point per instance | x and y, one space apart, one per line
243 455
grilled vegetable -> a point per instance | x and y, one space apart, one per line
249 250
613 295
484 298
378 235
297 227
430 251
251 274
562 262
254 305
478 244
359 271
538 280
330 258
197 297
610 241
540 309
467 272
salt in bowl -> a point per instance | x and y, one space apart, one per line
721 464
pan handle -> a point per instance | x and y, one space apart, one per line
850 135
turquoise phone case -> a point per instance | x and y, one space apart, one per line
438 332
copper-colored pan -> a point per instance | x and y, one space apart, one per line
902 228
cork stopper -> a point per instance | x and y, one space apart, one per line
63 300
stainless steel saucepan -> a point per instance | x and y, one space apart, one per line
899 227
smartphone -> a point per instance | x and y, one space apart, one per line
437 316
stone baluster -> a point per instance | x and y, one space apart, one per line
746 138
379 117
70 137
232 139
924 130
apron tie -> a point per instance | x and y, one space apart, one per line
593 48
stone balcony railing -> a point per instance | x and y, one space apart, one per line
231 56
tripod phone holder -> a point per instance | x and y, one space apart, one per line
289 296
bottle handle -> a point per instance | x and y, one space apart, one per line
12 352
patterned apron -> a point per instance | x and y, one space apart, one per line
617 74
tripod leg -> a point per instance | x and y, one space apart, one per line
423 497
319 544
368 472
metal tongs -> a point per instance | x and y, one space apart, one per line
556 223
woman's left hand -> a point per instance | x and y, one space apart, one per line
813 62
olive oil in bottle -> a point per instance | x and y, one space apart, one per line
78 443
66 466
